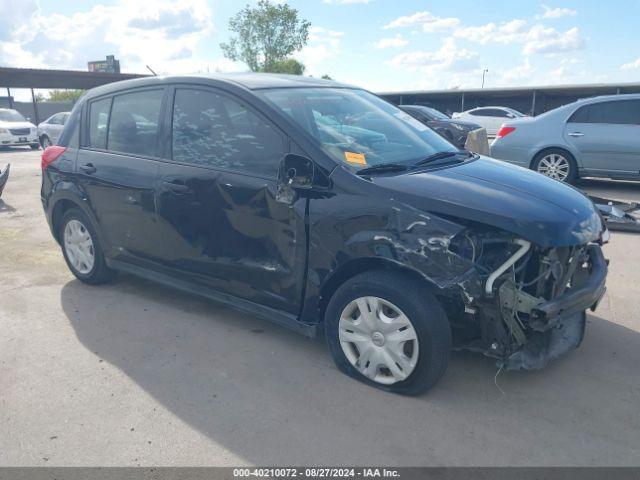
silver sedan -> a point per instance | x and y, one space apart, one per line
49 131
594 137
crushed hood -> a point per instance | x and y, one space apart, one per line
527 204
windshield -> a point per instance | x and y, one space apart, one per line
356 127
11 116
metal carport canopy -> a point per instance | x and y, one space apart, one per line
67 79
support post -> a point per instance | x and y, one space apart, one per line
533 104
462 103
35 107
9 97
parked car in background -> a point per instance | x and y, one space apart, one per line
594 137
16 130
453 130
49 131
491 118
321 207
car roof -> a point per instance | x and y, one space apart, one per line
599 98
250 81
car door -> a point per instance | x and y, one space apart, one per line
58 126
222 224
54 127
607 137
117 167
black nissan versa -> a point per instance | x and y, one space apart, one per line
324 208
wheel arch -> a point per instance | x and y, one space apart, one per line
547 148
355 266
63 205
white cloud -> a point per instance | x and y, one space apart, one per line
429 22
163 35
554 13
535 39
631 65
550 41
449 58
323 45
393 42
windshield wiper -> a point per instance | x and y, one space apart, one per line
437 156
384 167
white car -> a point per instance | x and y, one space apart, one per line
49 131
16 130
491 118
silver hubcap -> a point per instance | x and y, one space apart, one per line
554 166
378 339
78 246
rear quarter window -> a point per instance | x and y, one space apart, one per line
98 121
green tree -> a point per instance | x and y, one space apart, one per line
265 35
65 95
290 66
326 77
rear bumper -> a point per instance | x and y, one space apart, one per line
557 326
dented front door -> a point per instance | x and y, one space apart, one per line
227 230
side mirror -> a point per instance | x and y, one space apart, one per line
296 171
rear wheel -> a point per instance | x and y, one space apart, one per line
81 248
385 330
557 164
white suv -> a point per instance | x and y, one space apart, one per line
16 130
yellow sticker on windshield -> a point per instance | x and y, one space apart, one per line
352 157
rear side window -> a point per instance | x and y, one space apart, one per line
98 120
133 127
619 112
214 130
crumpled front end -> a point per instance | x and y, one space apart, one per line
532 309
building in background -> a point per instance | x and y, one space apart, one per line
110 65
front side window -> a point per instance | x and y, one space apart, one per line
98 120
356 127
214 130
133 127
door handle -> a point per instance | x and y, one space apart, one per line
576 134
88 168
176 187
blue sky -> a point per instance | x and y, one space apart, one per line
383 45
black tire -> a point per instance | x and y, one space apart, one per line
418 304
99 273
572 177
35 146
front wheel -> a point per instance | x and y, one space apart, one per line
557 164
388 331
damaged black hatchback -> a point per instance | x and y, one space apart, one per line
321 207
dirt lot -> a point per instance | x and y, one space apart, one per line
136 374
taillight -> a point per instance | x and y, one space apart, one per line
51 154
504 131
